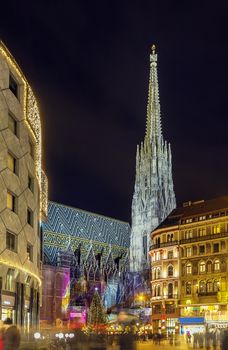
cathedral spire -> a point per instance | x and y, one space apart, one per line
153 124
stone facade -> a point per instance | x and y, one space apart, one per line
154 196
23 191
190 251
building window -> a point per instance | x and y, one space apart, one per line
30 183
188 251
188 234
216 265
158 273
12 163
202 287
11 201
202 267
158 290
202 232
30 217
216 229
169 237
11 241
30 252
216 286
157 255
188 269
209 266
209 286
170 290
12 124
9 279
145 245
216 247
13 86
201 249
188 288
170 270
170 254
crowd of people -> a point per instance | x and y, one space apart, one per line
210 339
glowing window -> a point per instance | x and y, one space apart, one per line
202 267
188 269
217 265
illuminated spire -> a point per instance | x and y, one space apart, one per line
153 124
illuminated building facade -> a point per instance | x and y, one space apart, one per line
23 191
82 251
198 232
153 197
165 284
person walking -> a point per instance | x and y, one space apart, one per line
11 336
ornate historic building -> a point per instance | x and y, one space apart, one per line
197 237
82 251
154 196
23 191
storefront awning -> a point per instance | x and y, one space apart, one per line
191 320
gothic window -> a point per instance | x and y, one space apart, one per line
209 286
188 288
170 290
202 287
158 273
146 182
189 269
202 267
145 245
216 265
216 286
170 270
158 290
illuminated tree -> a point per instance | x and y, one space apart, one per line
97 314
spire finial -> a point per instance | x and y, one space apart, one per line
153 48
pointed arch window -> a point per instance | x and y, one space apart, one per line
170 270
189 269
188 288
170 290
145 244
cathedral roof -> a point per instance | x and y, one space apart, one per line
68 227
194 210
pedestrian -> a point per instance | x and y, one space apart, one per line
11 336
207 340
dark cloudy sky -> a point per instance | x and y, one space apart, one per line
88 64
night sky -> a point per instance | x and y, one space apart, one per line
88 64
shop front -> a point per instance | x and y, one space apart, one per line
191 325
8 306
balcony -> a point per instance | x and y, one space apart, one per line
204 238
169 296
207 294
162 245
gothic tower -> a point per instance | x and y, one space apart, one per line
154 196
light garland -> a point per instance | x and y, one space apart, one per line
32 120
9 264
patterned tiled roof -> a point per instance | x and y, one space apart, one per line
71 226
